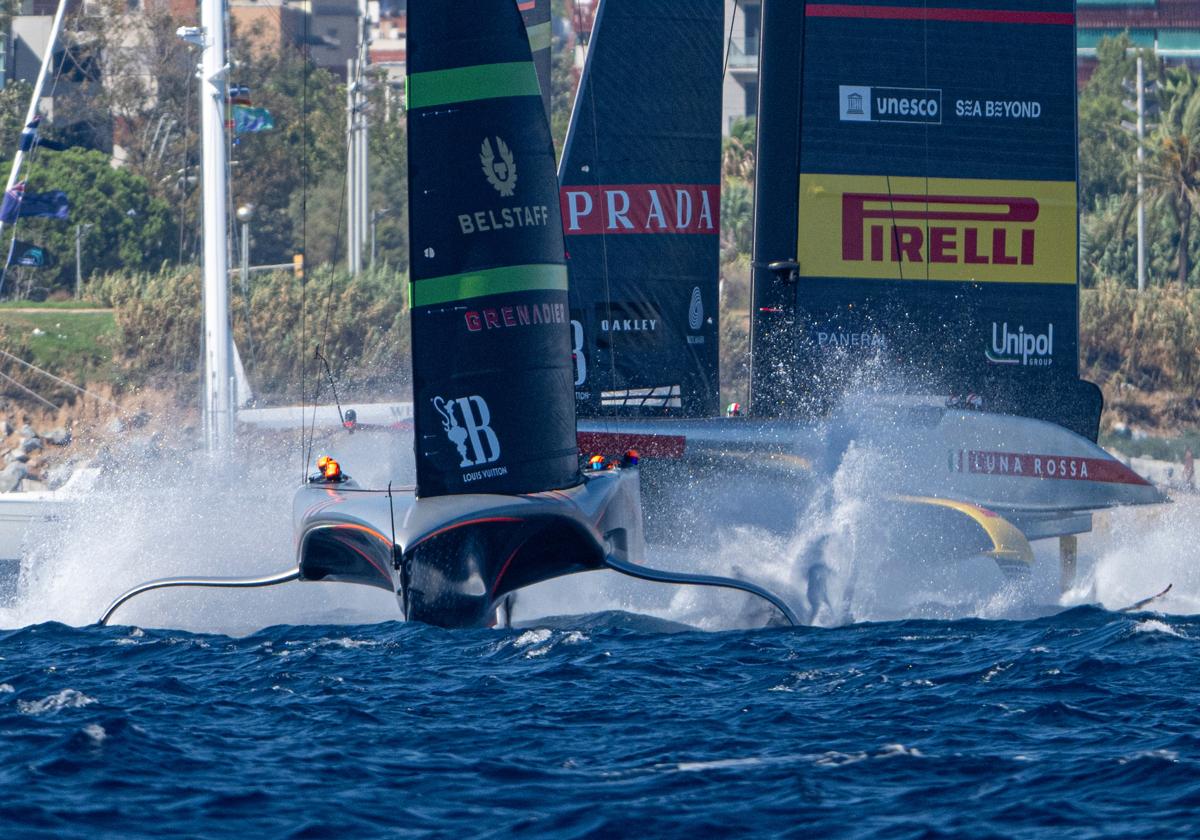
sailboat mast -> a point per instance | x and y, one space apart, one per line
218 354
773 298
357 128
47 58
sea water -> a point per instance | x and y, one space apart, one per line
921 706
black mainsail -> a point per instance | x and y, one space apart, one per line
640 178
919 165
536 14
492 392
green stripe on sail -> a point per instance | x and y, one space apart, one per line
492 281
465 84
539 37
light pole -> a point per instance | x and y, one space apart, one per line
80 230
244 214
1141 158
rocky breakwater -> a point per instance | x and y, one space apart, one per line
27 460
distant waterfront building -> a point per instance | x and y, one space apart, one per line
743 19
1172 26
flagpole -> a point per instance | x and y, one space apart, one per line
218 350
47 58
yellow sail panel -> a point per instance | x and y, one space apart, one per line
902 228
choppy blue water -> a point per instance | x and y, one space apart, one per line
1085 724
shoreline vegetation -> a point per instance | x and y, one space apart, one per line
134 335
139 333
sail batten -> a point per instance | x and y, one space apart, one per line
465 84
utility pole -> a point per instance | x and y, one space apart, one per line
1140 108
357 140
244 214
1141 157
80 230
376 215
353 241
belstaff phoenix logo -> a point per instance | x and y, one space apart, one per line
475 440
501 174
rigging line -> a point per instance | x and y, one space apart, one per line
58 379
343 207
332 386
589 92
305 447
729 40
329 306
925 35
895 229
28 391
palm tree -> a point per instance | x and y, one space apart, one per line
1172 166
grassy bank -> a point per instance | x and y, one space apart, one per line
74 342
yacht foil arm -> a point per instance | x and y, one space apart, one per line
660 576
218 583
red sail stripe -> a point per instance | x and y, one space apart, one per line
648 446
846 10
1058 467
593 209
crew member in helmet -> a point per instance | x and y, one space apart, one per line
734 410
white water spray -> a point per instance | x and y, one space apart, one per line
160 513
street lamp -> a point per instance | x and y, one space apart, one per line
244 214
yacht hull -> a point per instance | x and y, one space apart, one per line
452 560
1044 479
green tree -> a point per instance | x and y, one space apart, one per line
1106 151
297 170
737 150
389 186
130 228
14 102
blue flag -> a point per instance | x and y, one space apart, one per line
12 203
47 205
